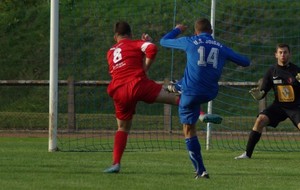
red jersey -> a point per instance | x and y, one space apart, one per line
126 60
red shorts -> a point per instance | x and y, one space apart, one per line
126 96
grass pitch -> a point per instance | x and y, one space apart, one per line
27 164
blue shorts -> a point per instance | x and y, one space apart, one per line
189 107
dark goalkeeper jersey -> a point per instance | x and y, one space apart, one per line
286 87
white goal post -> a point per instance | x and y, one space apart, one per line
209 107
53 78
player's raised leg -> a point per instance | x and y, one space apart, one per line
210 118
174 86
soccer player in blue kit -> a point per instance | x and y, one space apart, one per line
205 61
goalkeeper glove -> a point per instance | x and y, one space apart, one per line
256 93
298 77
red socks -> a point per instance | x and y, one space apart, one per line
119 146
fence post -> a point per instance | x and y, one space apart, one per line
167 118
71 104
167 112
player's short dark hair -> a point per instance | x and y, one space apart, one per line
122 28
283 45
203 25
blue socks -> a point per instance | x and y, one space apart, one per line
194 150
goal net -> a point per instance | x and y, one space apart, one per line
86 120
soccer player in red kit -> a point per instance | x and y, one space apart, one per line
129 60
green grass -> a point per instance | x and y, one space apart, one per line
26 164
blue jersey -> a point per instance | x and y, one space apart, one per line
205 61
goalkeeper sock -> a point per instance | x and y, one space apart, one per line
194 150
119 146
253 139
